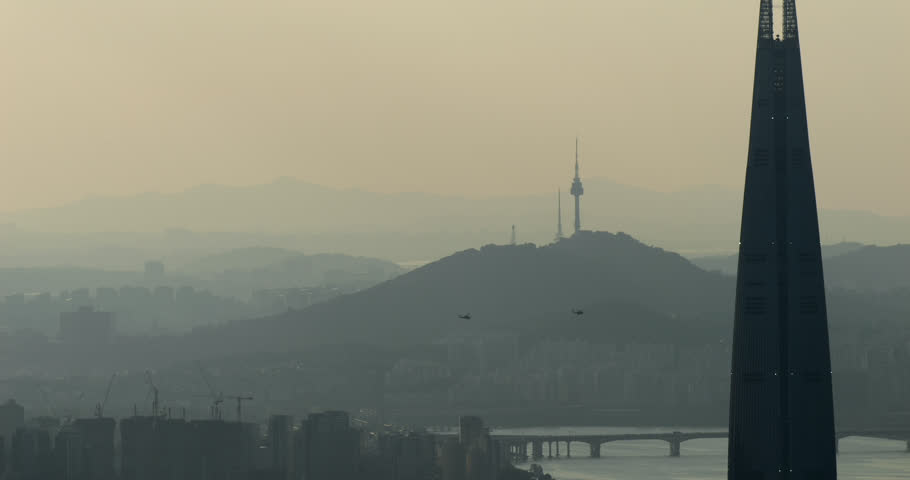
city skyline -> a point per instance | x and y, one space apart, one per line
314 240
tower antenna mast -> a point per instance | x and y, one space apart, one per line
559 234
577 191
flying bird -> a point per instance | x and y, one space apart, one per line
466 316
578 312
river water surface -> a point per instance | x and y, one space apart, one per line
859 459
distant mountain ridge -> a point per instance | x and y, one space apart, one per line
727 264
628 291
871 269
241 271
850 266
247 258
235 273
419 226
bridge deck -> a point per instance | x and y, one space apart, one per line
680 436
668 436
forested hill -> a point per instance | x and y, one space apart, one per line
502 287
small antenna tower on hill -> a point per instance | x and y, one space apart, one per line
559 234
513 242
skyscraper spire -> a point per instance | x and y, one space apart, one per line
559 234
791 27
766 21
781 408
577 191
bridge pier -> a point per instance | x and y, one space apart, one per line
675 448
549 449
537 449
908 446
675 444
568 449
595 450
557 449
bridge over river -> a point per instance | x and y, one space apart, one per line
518 444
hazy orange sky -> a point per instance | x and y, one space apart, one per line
474 97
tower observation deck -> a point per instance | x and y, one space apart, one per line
577 191
781 408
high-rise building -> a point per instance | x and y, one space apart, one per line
473 456
219 450
69 455
12 417
577 191
155 447
97 440
327 448
410 456
30 454
452 460
281 444
3 455
781 409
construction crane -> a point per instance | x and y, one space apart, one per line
154 391
240 400
217 398
99 408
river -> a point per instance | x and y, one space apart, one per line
859 459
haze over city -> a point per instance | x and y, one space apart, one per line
466 98
434 240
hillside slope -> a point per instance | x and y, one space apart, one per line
502 287
878 269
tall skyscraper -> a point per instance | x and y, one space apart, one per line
577 191
781 408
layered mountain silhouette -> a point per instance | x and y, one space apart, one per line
293 214
236 273
871 269
848 266
728 263
504 288
241 271
628 291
